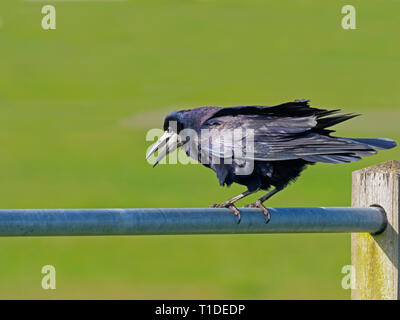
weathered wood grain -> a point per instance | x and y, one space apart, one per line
376 257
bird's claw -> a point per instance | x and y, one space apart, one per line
236 212
258 204
230 206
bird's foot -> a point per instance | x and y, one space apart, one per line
258 204
230 206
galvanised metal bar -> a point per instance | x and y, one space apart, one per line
101 222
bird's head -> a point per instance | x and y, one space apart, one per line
170 140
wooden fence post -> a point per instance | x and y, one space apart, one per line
376 257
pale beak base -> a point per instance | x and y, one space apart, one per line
167 143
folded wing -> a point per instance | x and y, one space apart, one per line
285 132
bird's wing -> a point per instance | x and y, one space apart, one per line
266 136
297 108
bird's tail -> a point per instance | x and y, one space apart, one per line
378 143
342 150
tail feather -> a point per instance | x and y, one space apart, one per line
356 149
378 143
331 121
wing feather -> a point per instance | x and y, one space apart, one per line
276 138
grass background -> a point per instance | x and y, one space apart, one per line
76 103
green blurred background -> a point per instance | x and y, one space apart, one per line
76 103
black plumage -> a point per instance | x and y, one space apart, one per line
287 138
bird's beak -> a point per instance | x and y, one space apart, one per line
167 143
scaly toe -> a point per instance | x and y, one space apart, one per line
236 212
232 207
267 214
251 205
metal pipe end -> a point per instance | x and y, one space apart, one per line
384 219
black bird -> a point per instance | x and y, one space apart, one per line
285 139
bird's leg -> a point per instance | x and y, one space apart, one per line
259 204
230 204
